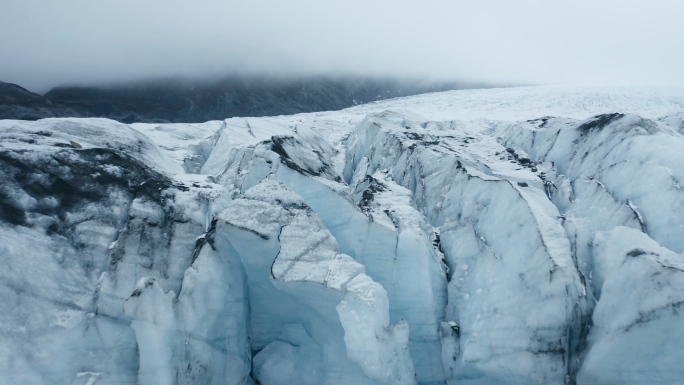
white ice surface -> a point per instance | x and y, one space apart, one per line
500 236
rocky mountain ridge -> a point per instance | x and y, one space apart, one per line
195 101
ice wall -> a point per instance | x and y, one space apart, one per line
515 298
315 316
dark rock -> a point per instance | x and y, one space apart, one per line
374 187
636 252
456 329
280 144
72 179
598 122
414 136
188 101
19 103
178 100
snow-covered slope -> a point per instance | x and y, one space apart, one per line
514 236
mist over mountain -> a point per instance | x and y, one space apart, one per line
192 101
614 42
19 103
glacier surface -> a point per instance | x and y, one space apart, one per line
528 235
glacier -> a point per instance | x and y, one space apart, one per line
530 235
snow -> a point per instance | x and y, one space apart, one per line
637 330
522 103
529 235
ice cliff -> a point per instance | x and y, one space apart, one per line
514 236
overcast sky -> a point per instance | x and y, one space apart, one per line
44 43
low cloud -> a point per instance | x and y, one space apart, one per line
50 43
